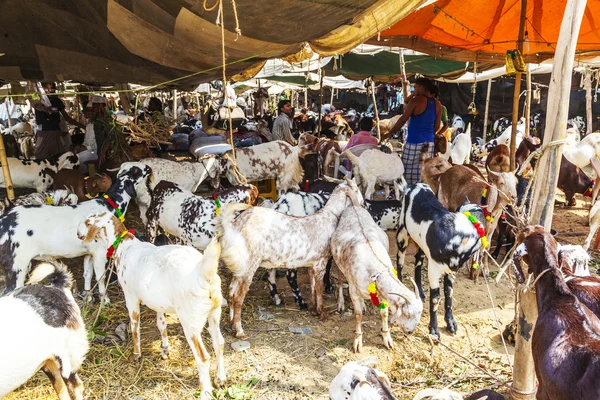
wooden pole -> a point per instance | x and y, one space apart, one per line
320 97
332 92
376 122
487 109
175 103
10 191
528 103
515 111
587 82
542 205
405 82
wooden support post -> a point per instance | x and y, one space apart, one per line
175 103
587 83
528 103
523 386
376 122
10 191
405 82
320 98
515 110
487 109
332 93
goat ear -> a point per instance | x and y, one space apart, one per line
492 198
92 233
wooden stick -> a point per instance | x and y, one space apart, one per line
376 122
528 103
175 103
321 98
405 82
587 82
523 386
10 191
515 110
487 109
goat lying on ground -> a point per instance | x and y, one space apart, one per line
257 236
361 381
168 279
566 338
424 220
84 187
373 167
360 250
43 329
186 216
29 232
52 198
36 174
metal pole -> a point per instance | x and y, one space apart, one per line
487 109
10 191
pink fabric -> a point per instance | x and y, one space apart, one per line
362 137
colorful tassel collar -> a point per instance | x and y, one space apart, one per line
85 191
372 288
49 200
217 203
111 250
590 189
478 227
484 196
114 205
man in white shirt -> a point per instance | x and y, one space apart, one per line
89 150
282 126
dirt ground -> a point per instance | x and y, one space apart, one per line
283 365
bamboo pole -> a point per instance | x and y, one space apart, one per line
487 110
10 191
320 97
376 122
517 92
175 103
405 82
528 103
545 181
332 92
587 82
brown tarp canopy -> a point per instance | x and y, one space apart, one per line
155 41
483 31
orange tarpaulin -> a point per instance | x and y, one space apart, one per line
484 30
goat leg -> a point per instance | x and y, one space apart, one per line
385 329
237 292
357 303
161 323
434 274
273 288
52 371
419 257
448 292
500 240
317 281
327 278
75 386
292 278
402 242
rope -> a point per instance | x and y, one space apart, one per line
211 8
497 322
530 287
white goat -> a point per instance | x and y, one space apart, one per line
34 174
168 279
188 175
360 381
360 250
43 328
374 166
258 236
458 151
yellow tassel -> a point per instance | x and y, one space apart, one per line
49 200
218 211
372 288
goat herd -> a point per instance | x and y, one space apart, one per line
450 217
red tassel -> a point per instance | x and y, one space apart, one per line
374 299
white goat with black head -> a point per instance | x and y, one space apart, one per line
257 236
447 239
360 250
168 279
43 329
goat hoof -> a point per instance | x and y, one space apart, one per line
135 357
329 289
357 346
388 342
241 335
303 306
220 381
165 352
452 326
435 333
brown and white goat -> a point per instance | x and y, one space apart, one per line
325 148
84 187
257 236
499 159
431 171
360 250
566 338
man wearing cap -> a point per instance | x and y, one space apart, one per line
49 137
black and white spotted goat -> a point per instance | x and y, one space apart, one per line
190 218
29 232
35 174
62 197
43 329
384 212
447 239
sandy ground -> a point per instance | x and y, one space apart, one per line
284 365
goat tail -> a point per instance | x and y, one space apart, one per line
352 157
56 272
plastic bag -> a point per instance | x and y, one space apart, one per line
514 62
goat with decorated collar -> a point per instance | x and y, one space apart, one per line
29 232
168 279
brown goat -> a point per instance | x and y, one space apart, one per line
432 169
499 159
324 147
80 185
566 338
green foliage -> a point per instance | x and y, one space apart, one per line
235 392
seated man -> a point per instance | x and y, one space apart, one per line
362 137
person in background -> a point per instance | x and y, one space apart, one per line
327 109
362 137
435 92
425 114
282 126
155 107
49 137
88 151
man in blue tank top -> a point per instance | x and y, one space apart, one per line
425 114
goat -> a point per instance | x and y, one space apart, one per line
504 138
186 216
84 187
53 198
360 250
572 180
168 279
43 329
374 166
447 394
499 159
36 174
29 232
188 175
360 381
324 147
447 239
278 160
259 236
432 169
594 221
457 152
566 339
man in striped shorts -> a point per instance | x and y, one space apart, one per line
425 113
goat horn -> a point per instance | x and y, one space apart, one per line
416 288
490 172
330 179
